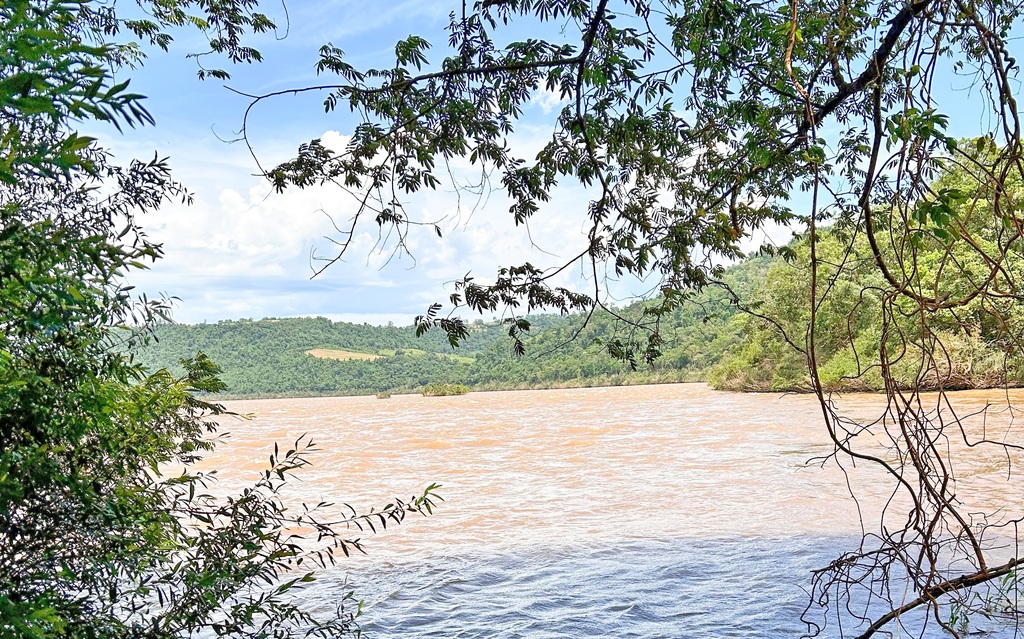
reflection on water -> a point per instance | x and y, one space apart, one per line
639 511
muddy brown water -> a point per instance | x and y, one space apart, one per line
590 512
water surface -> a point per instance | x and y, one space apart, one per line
654 511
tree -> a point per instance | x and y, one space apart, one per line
105 529
694 124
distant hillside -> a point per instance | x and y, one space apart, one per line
315 356
300 356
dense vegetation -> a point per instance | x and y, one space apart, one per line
271 357
107 530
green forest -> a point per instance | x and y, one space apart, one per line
708 337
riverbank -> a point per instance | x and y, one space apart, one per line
604 381
650 379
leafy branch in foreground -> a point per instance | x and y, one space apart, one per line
97 537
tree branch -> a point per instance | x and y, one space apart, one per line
946 587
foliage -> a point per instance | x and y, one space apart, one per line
444 390
268 357
106 530
694 124
977 341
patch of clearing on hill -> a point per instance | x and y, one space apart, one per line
330 353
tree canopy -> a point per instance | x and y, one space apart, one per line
106 528
695 124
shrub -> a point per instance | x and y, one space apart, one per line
443 390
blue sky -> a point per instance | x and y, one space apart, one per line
241 251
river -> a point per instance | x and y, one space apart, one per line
646 511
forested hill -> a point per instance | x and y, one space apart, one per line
315 356
706 339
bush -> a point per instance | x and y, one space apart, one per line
444 390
